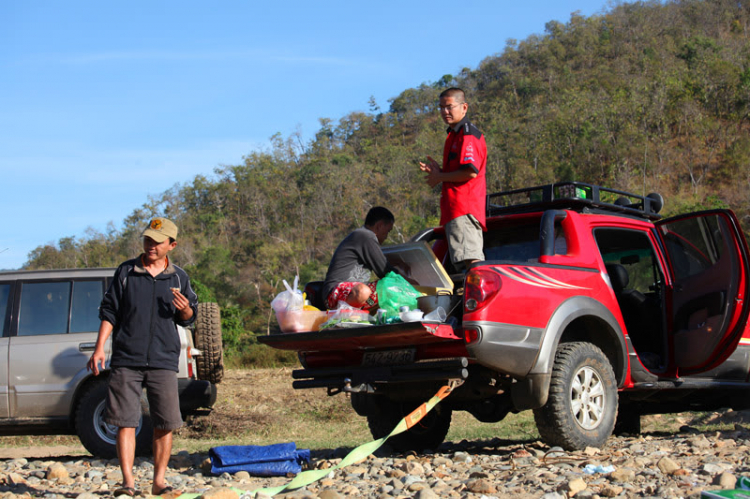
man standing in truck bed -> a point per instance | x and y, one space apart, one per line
464 190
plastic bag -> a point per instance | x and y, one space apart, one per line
347 316
394 291
289 300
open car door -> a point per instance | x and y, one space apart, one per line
708 261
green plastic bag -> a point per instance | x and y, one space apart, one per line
394 291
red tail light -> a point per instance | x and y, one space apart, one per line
481 286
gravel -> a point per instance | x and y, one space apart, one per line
653 465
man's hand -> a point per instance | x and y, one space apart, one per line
433 171
97 359
182 305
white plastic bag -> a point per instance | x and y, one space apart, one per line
289 300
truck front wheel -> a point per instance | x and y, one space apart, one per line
428 433
582 405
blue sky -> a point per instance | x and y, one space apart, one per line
105 103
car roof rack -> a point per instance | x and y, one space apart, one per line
577 196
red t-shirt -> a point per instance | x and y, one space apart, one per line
464 149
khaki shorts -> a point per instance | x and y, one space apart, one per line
465 239
124 397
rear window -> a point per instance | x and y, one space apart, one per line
519 243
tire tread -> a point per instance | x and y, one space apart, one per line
210 364
552 420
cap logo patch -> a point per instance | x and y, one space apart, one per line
156 224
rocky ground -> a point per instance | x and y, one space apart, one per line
663 466
666 461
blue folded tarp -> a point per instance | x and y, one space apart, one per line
258 460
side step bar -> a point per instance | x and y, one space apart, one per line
362 379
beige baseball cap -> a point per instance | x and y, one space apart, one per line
160 229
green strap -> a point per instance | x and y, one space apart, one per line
356 455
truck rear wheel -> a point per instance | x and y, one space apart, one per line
100 438
428 433
210 364
582 405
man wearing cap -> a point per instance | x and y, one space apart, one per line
148 297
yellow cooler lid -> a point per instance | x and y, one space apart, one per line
420 264
432 290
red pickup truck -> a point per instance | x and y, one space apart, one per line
589 310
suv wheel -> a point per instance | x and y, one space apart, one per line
582 404
429 433
210 363
100 438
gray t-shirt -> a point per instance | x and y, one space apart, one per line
356 257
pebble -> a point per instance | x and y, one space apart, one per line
663 465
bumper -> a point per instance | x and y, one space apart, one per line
195 394
505 348
363 379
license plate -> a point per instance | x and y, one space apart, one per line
388 357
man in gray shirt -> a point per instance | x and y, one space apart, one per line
355 258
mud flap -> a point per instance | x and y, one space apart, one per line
531 392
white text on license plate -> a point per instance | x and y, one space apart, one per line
388 357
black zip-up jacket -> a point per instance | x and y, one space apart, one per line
140 308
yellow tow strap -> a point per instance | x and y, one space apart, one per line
357 455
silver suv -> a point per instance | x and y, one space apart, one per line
49 321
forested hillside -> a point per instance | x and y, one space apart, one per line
645 97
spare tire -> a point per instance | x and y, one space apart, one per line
207 336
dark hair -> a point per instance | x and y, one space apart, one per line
454 92
379 214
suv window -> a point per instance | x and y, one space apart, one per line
4 302
47 308
84 316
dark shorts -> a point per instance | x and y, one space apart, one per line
124 397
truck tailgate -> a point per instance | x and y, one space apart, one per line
339 347
357 358
363 338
